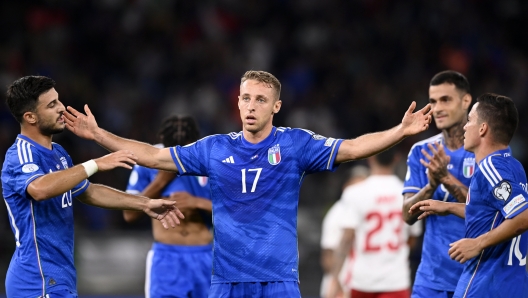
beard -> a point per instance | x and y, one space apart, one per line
50 129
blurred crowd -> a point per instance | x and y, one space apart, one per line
346 67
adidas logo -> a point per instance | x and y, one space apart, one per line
229 160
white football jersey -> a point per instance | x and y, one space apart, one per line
373 208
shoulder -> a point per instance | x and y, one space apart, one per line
497 167
419 145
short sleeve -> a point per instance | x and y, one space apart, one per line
416 229
331 231
351 215
317 153
506 193
193 159
139 179
25 171
414 180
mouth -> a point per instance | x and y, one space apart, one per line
250 119
60 119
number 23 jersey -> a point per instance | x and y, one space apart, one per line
255 192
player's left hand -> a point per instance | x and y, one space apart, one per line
413 123
464 249
165 211
334 289
429 207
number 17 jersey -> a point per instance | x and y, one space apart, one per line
255 192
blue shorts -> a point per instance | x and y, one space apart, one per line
423 292
270 289
178 270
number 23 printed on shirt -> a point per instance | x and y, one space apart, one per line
391 220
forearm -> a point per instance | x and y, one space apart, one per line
507 230
425 193
458 209
145 152
369 144
56 183
110 198
455 188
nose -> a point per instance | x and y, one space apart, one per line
251 105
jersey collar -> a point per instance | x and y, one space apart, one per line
267 141
37 145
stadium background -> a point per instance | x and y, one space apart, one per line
346 67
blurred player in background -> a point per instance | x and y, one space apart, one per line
331 233
373 227
39 182
180 261
496 211
255 177
439 168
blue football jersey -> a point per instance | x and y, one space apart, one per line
255 192
198 186
497 192
43 257
437 270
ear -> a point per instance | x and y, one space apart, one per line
466 101
238 103
30 117
277 106
483 129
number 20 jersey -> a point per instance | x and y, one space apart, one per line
497 192
255 192
437 270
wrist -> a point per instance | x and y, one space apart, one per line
90 167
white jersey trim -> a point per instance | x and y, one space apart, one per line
37 250
489 171
13 223
148 273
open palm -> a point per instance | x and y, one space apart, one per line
418 121
83 125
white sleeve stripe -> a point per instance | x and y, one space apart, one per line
489 173
494 169
30 154
516 209
80 188
24 152
485 175
19 153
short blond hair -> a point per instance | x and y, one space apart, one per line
263 77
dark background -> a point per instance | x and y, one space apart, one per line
346 68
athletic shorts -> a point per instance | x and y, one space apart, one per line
178 271
393 294
272 289
423 292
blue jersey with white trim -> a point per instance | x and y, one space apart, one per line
437 270
43 229
255 192
198 186
497 192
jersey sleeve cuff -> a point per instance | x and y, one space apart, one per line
331 166
410 189
516 206
81 189
177 160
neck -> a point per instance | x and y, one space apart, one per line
259 136
35 135
454 136
485 150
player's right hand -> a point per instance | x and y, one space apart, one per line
122 158
80 124
436 163
429 207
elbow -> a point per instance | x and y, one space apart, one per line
38 193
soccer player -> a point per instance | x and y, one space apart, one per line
374 229
496 210
255 177
331 233
39 181
439 168
180 261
